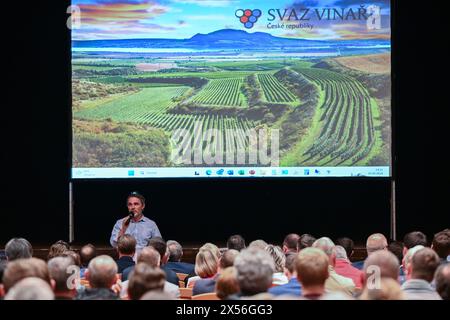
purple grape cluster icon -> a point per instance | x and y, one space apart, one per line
248 17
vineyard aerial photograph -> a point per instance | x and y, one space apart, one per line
142 70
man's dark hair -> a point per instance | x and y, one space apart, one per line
18 248
291 241
159 245
135 194
347 244
442 278
126 244
236 242
87 253
291 258
396 247
414 238
305 241
227 258
441 243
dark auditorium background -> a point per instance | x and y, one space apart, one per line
35 154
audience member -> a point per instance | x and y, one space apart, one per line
344 268
102 275
160 245
424 263
206 266
61 271
388 289
380 264
375 242
175 255
208 285
57 249
305 241
145 278
293 287
236 242
151 257
23 268
312 272
441 244
335 282
260 244
396 247
126 248
290 243
442 279
254 269
227 283
30 288
87 253
279 259
18 248
347 244
407 261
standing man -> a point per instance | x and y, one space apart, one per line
135 224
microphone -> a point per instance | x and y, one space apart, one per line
130 217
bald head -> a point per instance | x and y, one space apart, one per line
375 242
387 263
102 272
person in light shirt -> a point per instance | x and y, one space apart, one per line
136 224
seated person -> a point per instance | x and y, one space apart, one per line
126 248
174 263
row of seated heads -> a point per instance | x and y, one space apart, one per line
235 263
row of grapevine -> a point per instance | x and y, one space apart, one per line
221 92
230 137
347 134
273 90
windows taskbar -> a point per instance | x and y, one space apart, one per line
229 172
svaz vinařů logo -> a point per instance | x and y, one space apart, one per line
248 17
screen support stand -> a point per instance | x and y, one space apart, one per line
71 226
393 211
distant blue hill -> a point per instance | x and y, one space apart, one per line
226 39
